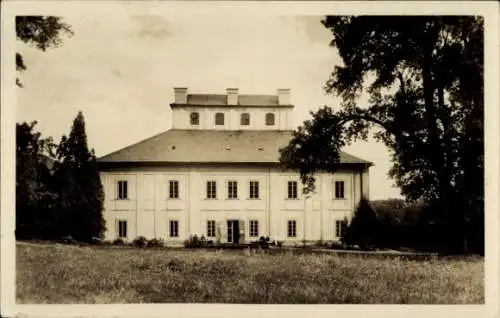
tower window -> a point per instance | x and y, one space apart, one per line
195 118
245 119
219 119
269 119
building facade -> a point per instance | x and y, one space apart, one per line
216 173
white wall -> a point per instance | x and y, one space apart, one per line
148 209
283 121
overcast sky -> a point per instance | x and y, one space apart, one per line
120 68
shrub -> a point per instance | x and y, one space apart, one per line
96 240
263 242
140 241
337 245
363 227
193 241
321 243
154 242
68 240
118 241
203 240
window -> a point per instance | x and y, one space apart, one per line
195 118
210 228
211 190
254 189
232 190
340 226
292 189
122 229
292 228
122 190
254 228
173 189
245 119
219 119
174 228
269 119
339 189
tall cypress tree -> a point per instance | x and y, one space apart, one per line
81 192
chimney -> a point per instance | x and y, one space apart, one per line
180 94
284 96
232 96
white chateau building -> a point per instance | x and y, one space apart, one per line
216 173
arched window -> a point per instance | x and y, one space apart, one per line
245 119
195 118
269 119
219 119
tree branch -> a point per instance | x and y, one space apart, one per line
374 120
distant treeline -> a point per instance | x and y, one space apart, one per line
395 223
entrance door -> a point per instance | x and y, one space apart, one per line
233 231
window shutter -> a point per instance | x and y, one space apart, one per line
348 188
242 232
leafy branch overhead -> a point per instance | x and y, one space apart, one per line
42 32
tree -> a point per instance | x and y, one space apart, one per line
34 200
426 100
80 186
42 32
362 230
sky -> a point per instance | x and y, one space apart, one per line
120 69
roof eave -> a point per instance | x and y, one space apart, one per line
176 105
131 164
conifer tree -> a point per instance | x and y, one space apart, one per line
81 192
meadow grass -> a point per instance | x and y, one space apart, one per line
53 273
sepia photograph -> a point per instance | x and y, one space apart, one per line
159 153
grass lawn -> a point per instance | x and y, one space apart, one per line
71 274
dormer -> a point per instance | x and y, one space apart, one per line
231 111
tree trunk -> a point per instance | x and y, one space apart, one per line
445 192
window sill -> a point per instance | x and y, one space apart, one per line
292 199
340 199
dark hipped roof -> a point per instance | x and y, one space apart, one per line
221 100
210 146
